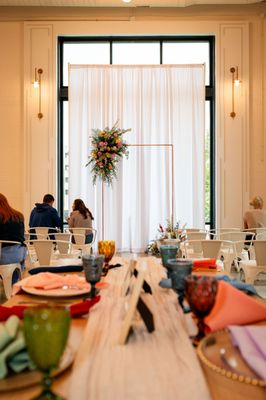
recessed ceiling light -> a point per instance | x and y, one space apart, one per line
126 1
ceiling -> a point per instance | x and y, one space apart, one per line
120 3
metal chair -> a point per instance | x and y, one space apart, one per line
249 269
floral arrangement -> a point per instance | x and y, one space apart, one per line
171 231
108 147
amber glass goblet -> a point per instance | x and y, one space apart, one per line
106 248
200 292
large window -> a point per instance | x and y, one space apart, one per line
136 50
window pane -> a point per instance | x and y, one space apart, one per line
65 160
188 53
207 162
84 53
136 53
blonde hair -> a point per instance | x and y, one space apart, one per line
256 202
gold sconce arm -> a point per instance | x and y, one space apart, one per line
38 84
235 82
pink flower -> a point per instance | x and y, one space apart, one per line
113 155
99 153
119 145
101 165
101 144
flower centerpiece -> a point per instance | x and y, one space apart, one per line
108 147
170 231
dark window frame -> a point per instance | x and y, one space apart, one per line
209 95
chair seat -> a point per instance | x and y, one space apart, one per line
249 270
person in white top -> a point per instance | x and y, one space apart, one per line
255 218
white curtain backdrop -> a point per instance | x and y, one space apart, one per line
162 105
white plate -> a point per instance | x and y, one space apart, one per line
55 292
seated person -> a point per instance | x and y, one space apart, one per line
81 217
11 228
45 215
255 218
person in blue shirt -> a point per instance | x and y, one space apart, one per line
44 214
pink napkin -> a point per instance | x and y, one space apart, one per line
233 307
251 341
49 280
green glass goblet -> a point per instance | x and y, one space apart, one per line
46 331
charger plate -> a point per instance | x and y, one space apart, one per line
224 381
30 378
69 292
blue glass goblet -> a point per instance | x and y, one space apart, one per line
168 251
178 270
93 265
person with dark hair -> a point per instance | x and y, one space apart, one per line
11 228
81 217
44 214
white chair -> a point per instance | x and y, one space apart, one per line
79 236
251 268
7 271
42 231
215 233
62 242
43 250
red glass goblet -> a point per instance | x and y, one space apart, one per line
200 292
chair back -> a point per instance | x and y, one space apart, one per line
62 241
217 232
196 235
211 248
260 252
6 273
261 234
43 249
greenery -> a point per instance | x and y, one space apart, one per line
108 147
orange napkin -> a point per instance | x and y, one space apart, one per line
233 307
48 281
204 264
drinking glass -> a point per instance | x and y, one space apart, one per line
106 248
93 265
46 331
200 292
168 251
178 270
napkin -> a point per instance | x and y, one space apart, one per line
233 307
13 353
251 341
49 280
76 309
208 264
61 268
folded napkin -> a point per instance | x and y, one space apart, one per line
58 269
204 264
13 354
233 307
251 341
49 280
76 309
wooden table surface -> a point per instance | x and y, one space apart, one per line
159 365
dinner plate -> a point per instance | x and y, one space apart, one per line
30 378
69 292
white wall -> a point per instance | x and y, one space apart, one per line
240 141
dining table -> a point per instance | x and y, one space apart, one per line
161 364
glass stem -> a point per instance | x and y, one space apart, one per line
47 382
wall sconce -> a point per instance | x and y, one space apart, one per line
235 82
37 84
